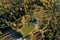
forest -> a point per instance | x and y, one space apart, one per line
34 19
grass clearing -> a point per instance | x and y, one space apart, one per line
25 30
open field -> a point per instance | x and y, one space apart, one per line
26 29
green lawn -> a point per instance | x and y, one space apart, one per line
1 33
25 30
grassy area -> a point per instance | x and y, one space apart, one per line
25 30
1 33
